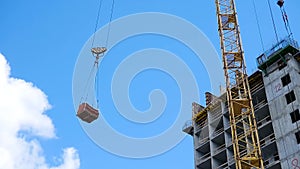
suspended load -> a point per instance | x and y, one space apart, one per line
87 113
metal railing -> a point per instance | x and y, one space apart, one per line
231 160
256 88
223 166
200 126
187 124
282 44
203 158
215 115
271 160
220 149
203 140
260 104
267 140
264 121
217 132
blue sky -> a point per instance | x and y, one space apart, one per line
42 40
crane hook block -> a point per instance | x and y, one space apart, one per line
87 113
280 3
98 50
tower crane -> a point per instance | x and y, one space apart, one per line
246 145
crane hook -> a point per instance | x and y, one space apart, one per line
97 51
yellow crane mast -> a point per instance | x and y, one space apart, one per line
246 146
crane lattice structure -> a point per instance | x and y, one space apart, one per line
246 146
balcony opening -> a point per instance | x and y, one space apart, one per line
290 97
281 64
298 137
295 116
286 80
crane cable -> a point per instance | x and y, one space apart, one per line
96 63
87 85
286 22
97 87
110 19
97 21
106 46
274 26
258 26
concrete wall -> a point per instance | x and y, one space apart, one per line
280 111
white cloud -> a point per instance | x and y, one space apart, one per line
22 121
71 159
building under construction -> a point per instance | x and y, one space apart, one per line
275 90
